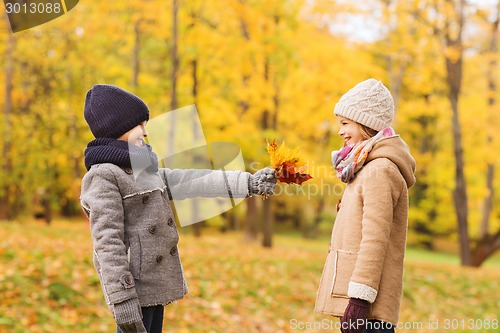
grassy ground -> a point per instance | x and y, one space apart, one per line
48 284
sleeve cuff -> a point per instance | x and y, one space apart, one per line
128 312
122 295
361 291
238 183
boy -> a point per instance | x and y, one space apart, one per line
133 231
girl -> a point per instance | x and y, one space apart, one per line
362 277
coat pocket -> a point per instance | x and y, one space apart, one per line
343 268
134 257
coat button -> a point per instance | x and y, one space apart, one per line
173 251
159 258
152 229
171 222
128 171
129 279
145 199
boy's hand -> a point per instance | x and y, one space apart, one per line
262 182
128 316
133 328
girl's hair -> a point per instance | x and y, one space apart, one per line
366 132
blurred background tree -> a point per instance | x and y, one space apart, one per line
258 69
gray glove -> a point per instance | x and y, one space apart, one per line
262 182
128 316
133 328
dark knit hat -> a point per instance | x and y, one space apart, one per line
111 111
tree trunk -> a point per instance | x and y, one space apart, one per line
135 54
5 213
492 90
423 225
71 204
484 248
312 230
175 57
396 79
173 79
276 103
265 120
395 69
454 67
196 207
251 220
244 105
298 216
230 221
267 214
47 209
197 226
460 192
488 201
488 244
233 221
51 173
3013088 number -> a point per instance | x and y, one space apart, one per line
33 8
471 324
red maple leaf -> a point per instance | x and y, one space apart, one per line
289 174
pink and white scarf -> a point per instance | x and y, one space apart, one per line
350 159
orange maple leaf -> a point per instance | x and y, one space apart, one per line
289 166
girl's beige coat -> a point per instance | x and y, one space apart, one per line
366 253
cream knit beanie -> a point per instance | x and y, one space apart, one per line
369 103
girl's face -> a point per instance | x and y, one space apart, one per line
350 131
136 135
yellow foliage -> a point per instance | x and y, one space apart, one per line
264 69
284 154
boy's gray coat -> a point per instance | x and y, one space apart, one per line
133 230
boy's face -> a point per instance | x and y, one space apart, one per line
136 135
350 131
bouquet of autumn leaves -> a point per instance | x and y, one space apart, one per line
289 166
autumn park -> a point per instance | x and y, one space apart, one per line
255 71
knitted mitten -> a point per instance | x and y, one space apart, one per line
133 328
128 316
355 315
262 182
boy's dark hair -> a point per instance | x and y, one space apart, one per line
111 111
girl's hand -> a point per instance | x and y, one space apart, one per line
355 316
